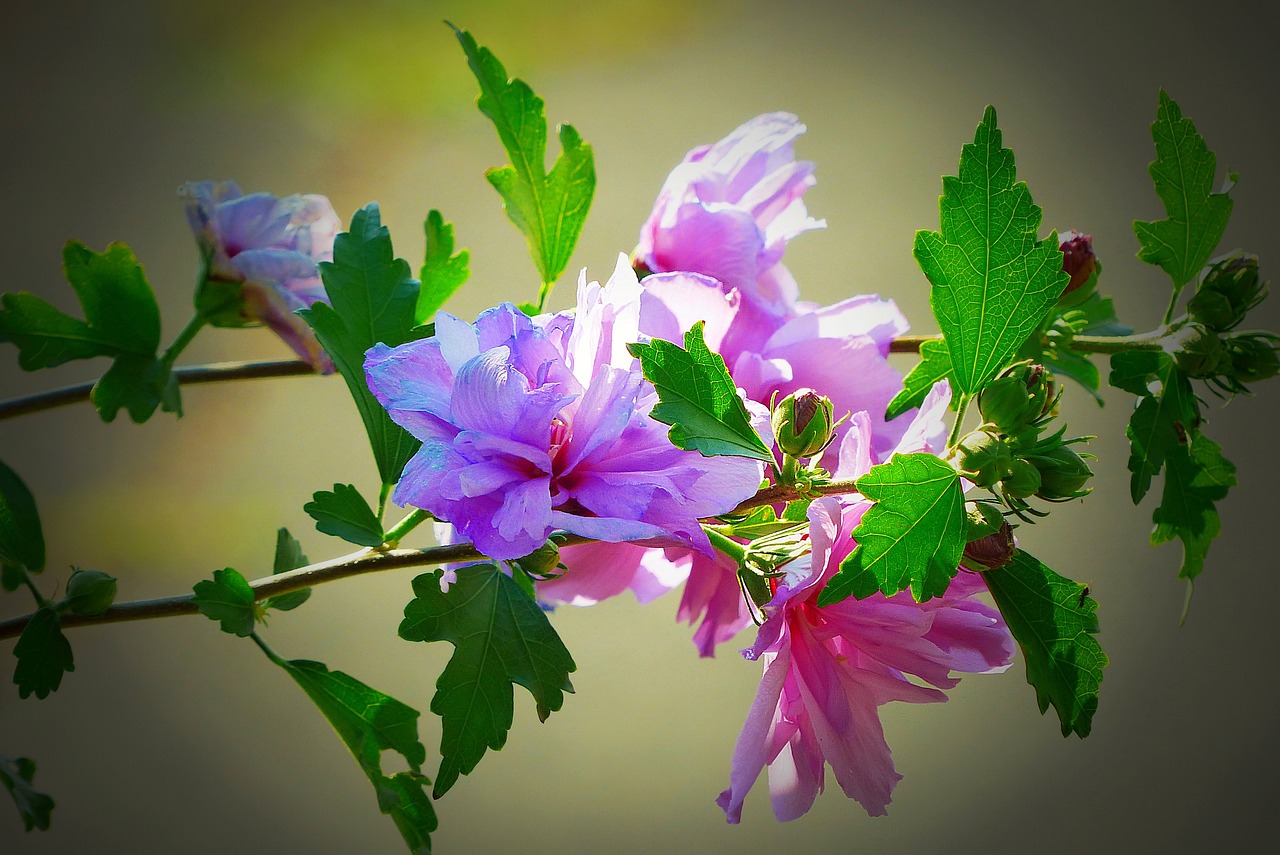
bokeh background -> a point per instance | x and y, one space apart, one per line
172 737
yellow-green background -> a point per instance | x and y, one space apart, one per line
172 737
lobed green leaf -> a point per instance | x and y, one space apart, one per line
443 272
1183 173
344 513
934 365
698 398
913 537
288 557
1054 622
1196 476
993 281
17 774
43 654
228 598
1166 412
21 537
372 299
501 638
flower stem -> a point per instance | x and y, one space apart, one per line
412 520
956 427
729 547
184 338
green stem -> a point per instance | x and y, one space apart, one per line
35 591
732 548
271 654
383 495
956 427
1150 340
184 338
415 518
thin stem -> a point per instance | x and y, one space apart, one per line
961 409
366 561
184 338
271 654
412 520
383 495
729 547
1150 340
188 376
35 591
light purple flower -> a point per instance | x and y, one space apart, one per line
729 209
532 425
270 247
828 668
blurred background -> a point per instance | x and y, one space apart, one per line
172 737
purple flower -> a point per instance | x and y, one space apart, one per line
269 249
531 425
729 209
828 668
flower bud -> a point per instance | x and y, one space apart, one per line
990 552
981 519
1199 352
1020 395
1228 290
802 423
89 592
1062 474
982 457
1251 357
1023 480
1078 260
542 562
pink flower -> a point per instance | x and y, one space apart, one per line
729 209
267 249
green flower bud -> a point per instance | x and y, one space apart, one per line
1227 291
1019 395
1252 357
89 592
1023 480
990 552
1063 474
1199 352
982 457
542 562
802 423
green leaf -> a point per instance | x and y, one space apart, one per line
1053 620
934 365
228 598
549 208
993 281
121 320
912 537
12 577
1163 417
1196 475
698 398
17 775
43 653
373 297
344 513
443 272
21 538
501 637
1183 174
288 557
370 722
1051 344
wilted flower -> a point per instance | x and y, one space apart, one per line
531 425
260 255
729 209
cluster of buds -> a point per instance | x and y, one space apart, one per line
1209 347
1008 455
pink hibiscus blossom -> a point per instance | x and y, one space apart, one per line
828 668
269 247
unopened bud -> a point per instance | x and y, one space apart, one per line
1063 474
982 457
542 562
802 423
1227 291
1078 260
1019 395
990 552
1023 480
1199 352
981 519
1252 357
89 592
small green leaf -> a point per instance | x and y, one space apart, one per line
373 297
43 654
1053 620
1183 174
344 513
288 557
122 321
1195 476
500 637
21 538
912 537
698 398
993 281
228 598
1162 419
934 365
11 576
549 208
443 272
17 774
370 722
